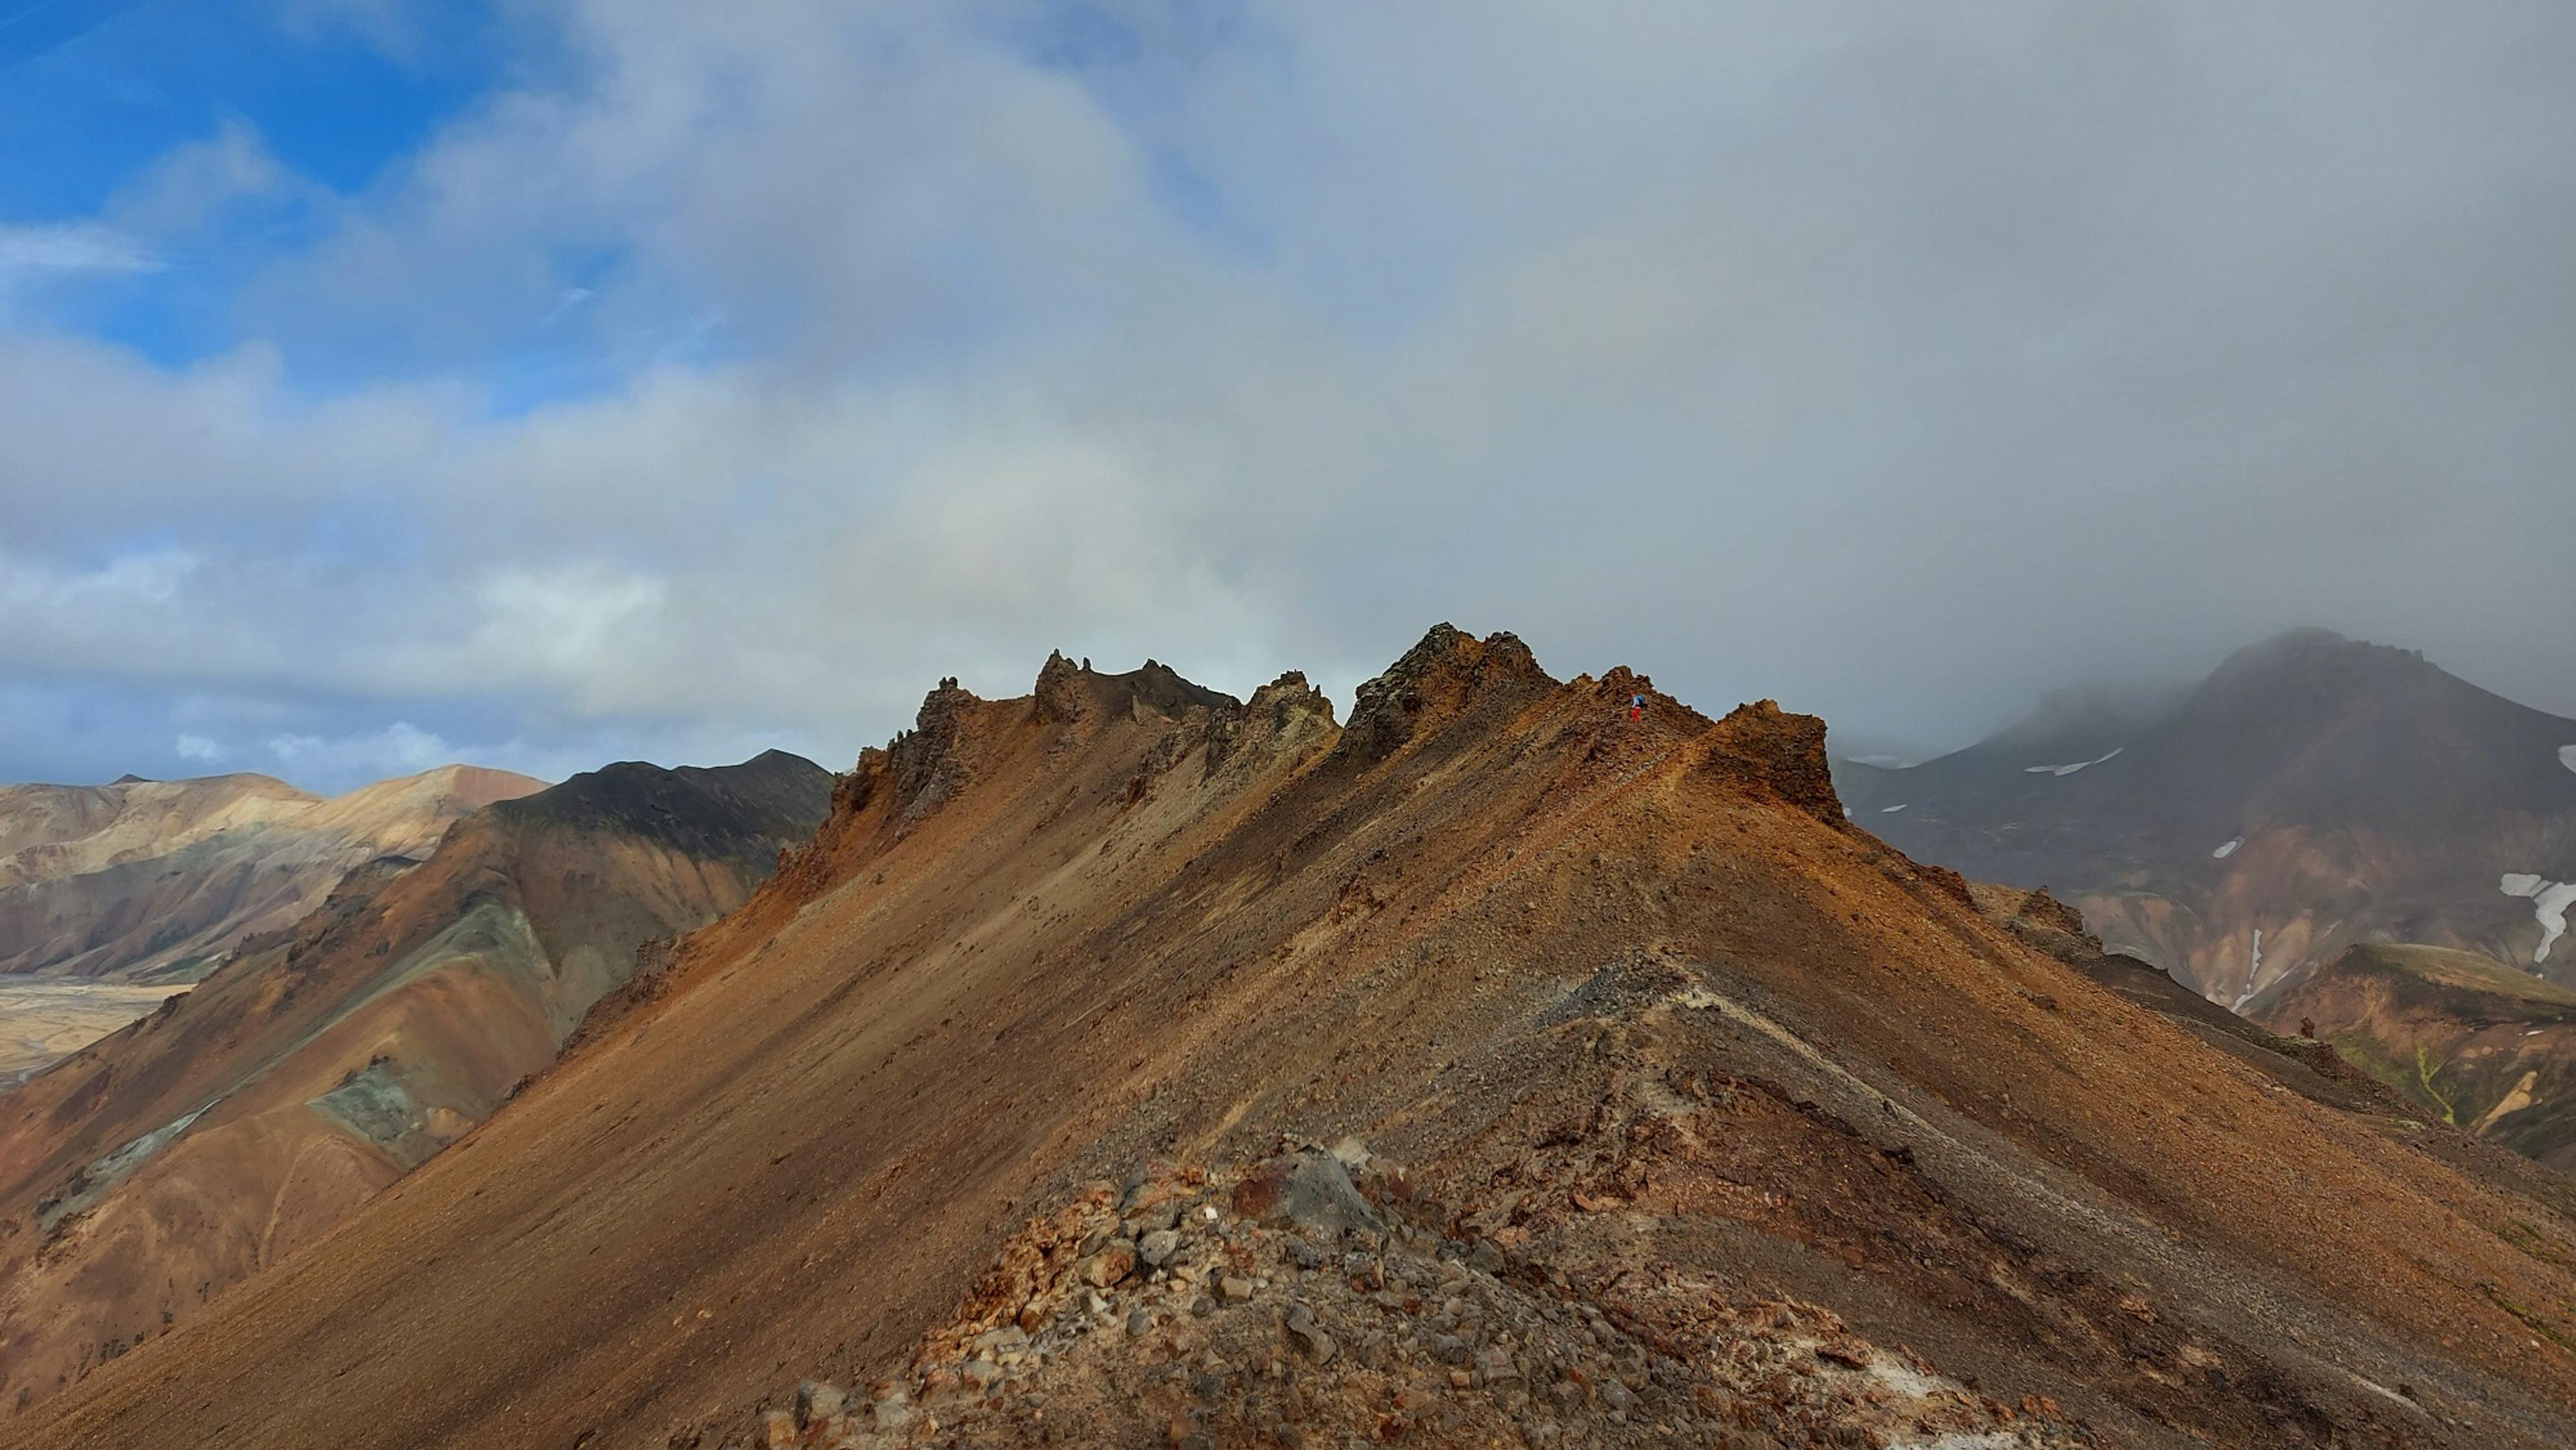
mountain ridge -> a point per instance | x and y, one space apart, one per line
1648 1023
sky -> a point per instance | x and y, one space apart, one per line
545 382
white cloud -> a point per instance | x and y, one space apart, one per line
394 26
1780 348
56 615
73 247
565 302
399 749
201 184
198 747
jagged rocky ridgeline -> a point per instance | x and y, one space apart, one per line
1656 1031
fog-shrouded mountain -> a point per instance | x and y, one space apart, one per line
1128 1065
145 1174
2486 1047
156 880
2315 790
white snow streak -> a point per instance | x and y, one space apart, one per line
2253 974
2223 852
2549 903
2070 769
1892 810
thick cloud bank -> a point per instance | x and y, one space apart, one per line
721 375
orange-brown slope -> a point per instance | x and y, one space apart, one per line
148 1173
1634 991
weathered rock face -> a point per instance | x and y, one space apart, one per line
1308 1191
929 763
1653 1036
2046 910
1437 681
1764 747
1287 717
1060 696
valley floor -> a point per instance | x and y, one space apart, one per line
46 1019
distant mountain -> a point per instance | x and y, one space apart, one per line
322 1062
156 880
2315 790
2483 1047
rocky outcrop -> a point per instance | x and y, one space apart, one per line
2048 913
1446 676
1066 692
1358 1323
1763 748
1060 696
1283 718
928 763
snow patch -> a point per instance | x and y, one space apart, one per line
1892 810
2567 756
2253 974
2549 903
2223 852
2070 769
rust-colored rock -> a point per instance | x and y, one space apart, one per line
1764 748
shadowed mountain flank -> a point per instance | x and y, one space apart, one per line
2319 791
1670 1107
144 1175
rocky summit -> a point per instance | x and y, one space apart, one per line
1128 1065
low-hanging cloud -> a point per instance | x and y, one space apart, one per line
1897 365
